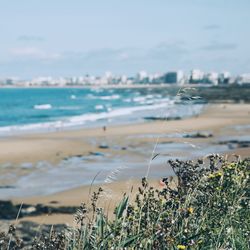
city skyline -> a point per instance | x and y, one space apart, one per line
60 38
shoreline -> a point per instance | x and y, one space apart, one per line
55 146
112 86
133 142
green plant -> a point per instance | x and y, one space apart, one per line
206 206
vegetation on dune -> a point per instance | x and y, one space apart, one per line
206 208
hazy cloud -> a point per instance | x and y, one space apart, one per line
162 51
167 50
220 46
105 54
34 53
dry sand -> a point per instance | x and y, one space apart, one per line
56 146
53 147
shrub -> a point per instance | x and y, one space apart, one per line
206 206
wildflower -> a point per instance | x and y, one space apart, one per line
231 166
219 174
190 210
162 201
182 247
211 176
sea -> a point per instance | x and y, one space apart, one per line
27 110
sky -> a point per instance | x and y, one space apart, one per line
78 37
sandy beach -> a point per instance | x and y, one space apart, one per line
55 146
220 120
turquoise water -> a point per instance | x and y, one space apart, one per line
61 108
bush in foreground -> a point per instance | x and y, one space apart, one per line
205 207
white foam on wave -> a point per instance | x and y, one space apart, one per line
97 89
79 120
99 107
149 96
42 106
139 99
127 100
82 119
110 97
91 96
68 107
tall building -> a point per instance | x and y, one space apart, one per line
174 77
224 77
211 78
142 76
196 76
244 79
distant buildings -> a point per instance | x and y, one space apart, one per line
142 77
196 76
211 78
224 78
174 77
243 79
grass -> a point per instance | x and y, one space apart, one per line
207 207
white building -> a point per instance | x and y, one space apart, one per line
224 77
244 79
196 76
124 79
141 76
212 78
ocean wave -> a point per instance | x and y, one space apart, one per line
110 97
42 106
91 96
166 107
68 107
99 107
80 120
127 100
139 99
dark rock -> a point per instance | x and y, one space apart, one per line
199 135
78 156
232 144
53 202
42 209
96 153
173 118
103 146
9 211
156 118
7 186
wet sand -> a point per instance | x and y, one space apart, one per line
219 119
55 146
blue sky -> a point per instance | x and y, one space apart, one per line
66 38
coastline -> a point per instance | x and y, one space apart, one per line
55 146
219 119
112 86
